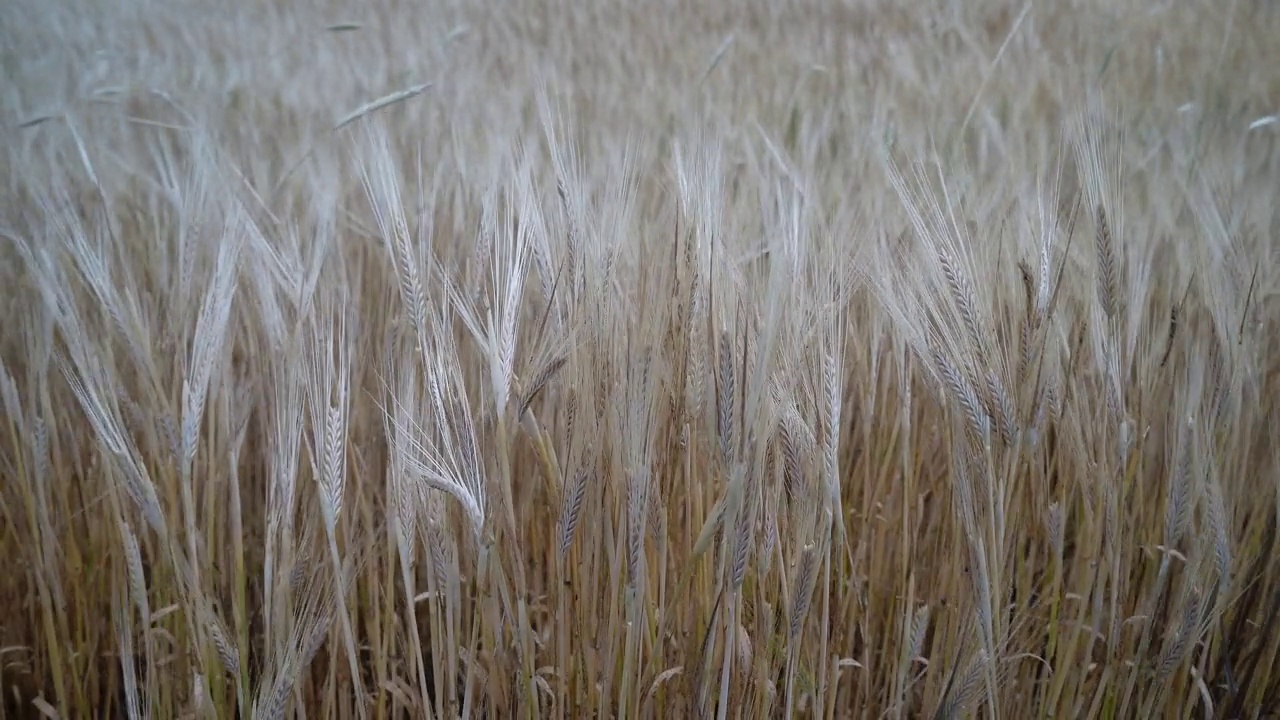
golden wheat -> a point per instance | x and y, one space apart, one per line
735 359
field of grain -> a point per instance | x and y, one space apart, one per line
649 359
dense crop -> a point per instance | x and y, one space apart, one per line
646 359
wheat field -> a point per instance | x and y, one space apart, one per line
738 359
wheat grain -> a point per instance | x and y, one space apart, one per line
524 385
